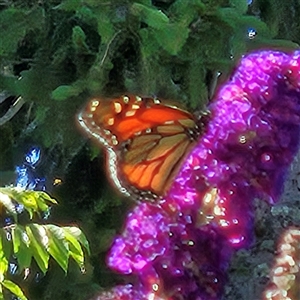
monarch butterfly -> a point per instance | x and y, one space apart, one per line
145 139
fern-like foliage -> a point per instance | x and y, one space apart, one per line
34 241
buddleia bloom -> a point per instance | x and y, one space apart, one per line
179 248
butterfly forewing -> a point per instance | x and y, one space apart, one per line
146 140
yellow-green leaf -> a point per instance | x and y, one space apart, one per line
6 242
42 199
14 289
21 247
75 250
33 201
1 293
3 261
79 235
39 243
58 246
42 196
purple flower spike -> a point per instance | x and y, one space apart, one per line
248 145
172 259
179 248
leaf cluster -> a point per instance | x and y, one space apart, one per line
33 241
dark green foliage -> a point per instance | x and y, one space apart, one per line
56 54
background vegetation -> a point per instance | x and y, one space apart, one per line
54 55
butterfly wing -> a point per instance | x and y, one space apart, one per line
145 139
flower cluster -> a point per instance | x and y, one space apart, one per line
179 248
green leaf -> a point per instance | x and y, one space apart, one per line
7 202
185 12
86 15
6 242
69 5
146 2
79 235
78 39
241 6
39 243
172 37
42 199
9 83
105 26
274 44
14 24
11 32
149 45
33 201
75 249
3 260
14 289
30 204
21 247
58 246
64 92
153 17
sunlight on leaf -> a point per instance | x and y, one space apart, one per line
21 247
78 234
6 201
58 246
6 245
33 201
74 248
3 261
38 244
14 289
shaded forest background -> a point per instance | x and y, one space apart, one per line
55 55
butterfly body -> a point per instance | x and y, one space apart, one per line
145 139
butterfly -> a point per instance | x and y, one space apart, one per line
145 139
